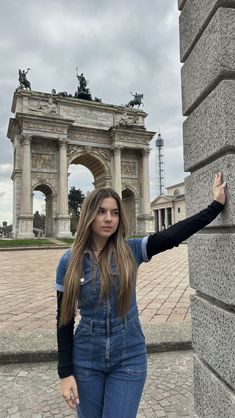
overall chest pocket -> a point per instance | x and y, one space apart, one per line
88 287
114 277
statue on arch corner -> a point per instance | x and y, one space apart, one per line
137 101
24 83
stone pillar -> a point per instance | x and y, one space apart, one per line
159 219
63 219
26 216
208 92
17 184
146 192
63 194
166 218
146 219
117 170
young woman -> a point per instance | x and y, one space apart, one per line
102 366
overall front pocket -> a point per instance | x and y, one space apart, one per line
83 346
134 350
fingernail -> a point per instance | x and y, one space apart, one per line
77 401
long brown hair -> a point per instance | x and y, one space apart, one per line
115 247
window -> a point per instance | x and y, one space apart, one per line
176 192
178 210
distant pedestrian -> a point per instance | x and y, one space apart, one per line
103 365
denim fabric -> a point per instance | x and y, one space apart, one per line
110 367
109 352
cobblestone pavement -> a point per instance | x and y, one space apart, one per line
32 390
28 297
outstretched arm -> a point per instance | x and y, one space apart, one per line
173 236
68 386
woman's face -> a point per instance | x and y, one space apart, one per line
106 221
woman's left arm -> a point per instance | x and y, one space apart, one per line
173 236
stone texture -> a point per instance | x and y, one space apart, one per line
181 4
211 59
210 128
32 390
214 337
212 267
198 189
213 398
194 18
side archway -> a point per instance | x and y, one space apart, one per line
49 197
128 200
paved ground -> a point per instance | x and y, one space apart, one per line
27 324
32 390
28 297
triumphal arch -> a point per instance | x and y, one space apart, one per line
50 132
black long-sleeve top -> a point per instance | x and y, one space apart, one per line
157 243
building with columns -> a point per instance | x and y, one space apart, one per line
48 133
169 208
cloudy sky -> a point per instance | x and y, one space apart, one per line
120 46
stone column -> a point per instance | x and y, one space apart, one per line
166 218
145 220
17 184
63 195
26 176
208 91
173 214
63 219
159 219
26 216
117 170
145 182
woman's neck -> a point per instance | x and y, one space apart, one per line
98 245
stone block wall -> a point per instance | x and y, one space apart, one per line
207 51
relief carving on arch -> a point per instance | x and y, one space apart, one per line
49 108
105 153
40 160
129 168
132 138
72 149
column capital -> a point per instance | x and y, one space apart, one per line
63 142
116 147
25 139
146 152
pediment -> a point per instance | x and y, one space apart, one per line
161 200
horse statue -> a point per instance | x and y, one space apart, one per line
137 101
23 80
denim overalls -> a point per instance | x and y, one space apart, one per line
109 353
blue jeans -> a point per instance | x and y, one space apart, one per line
110 367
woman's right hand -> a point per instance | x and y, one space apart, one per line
69 391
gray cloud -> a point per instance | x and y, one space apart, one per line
119 46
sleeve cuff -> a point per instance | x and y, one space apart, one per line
65 371
144 249
59 287
218 204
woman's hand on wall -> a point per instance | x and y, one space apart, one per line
219 188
